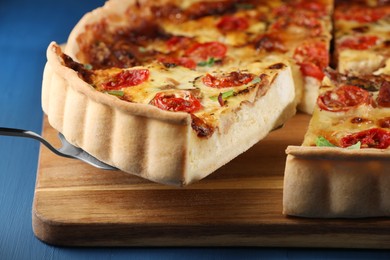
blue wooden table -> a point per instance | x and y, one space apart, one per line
26 28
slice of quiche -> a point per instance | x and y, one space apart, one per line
172 125
342 167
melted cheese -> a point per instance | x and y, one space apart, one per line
162 79
385 70
369 61
205 29
359 62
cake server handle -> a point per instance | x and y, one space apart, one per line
67 150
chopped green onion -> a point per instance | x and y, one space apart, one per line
355 146
323 142
225 95
208 63
118 93
255 80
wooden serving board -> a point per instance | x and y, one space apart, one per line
238 205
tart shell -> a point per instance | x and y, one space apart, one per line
336 183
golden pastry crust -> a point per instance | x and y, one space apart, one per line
329 182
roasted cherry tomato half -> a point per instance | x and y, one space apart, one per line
343 98
359 43
371 138
127 78
232 79
311 70
384 122
313 58
383 98
232 23
178 43
315 52
305 20
314 7
183 101
361 13
181 61
204 51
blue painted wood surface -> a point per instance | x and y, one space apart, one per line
26 28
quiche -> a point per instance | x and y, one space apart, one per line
171 125
341 169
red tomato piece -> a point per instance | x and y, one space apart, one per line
232 79
204 51
181 61
371 138
232 23
384 122
316 7
315 52
308 21
182 101
127 78
313 58
178 43
359 43
303 19
343 98
383 98
304 14
281 10
361 13
311 70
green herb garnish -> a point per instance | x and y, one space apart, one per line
208 63
225 95
118 93
323 142
355 146
88 66
255 80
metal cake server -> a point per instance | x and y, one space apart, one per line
67 150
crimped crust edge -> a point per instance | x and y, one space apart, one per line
328 182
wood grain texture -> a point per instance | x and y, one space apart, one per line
238 205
